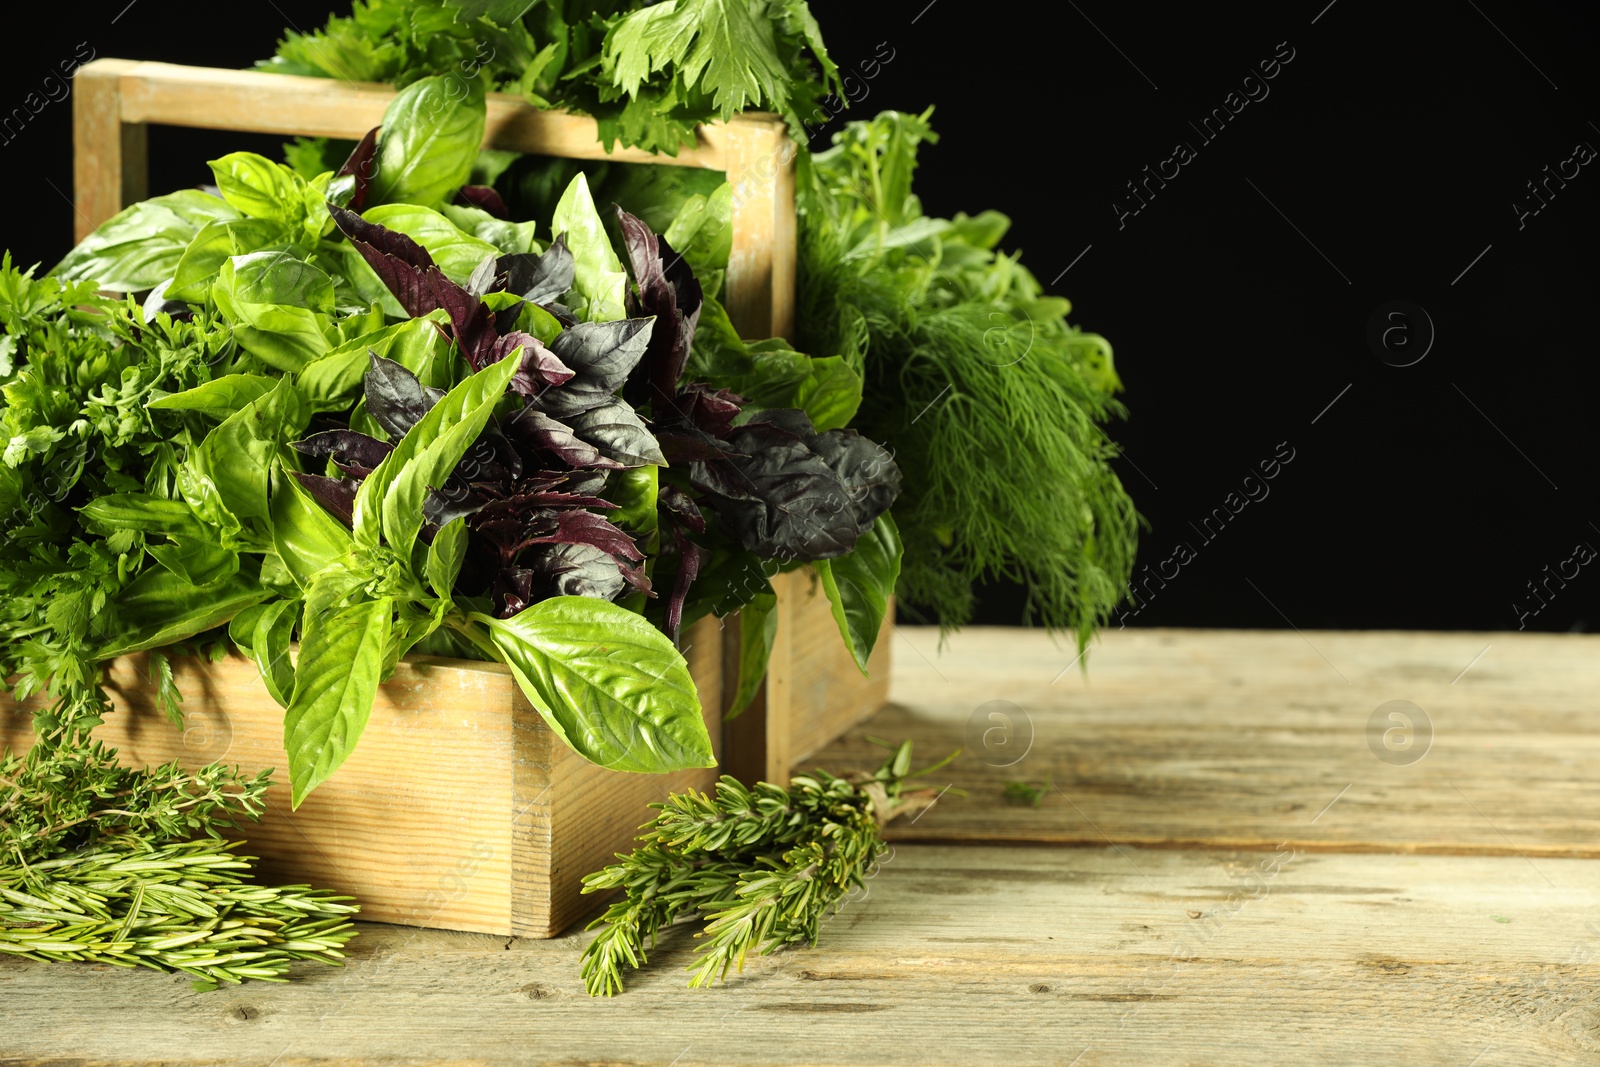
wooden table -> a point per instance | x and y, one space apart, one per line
1222 871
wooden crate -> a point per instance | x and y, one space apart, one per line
460 809
115 100
813 693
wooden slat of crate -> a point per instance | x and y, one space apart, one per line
955 955
459 808
1238 739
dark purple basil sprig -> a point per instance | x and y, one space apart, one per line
408 271
779 489
529 489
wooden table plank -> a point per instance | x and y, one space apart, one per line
971 955
1244 739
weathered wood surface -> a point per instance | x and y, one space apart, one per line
1248 739
459 809
955 955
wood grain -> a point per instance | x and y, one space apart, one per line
108 151
459 808
1248 739
813 692
955 955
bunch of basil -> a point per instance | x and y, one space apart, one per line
438 436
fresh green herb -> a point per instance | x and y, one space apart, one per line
1019 792
761 867
649 72
94 858
992 402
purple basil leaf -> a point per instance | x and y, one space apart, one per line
394 396
707 409
513 589
573 570
362 164
535 430
687 445
870 476
483 196
371 240
540 366
602 354
338 495
588 483
616 430
577 527
539 278
355 453
682 506
689 560
669 291
408 272
453 500
795 494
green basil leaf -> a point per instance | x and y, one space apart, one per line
859 586
142 512
758 629
198 560
257 187
418 620
508 237
242 627
455 252
218 398
237 455
201 494
307 538
282 336
635 491
141 246
385 507
769 374
607 681
328 382
445 555
431 133
275 277
215 244
158 608
599 282
830 393
341 658
702 230
269 647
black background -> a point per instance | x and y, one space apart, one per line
1381 165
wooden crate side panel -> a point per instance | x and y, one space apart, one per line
414 823
597 812
827 692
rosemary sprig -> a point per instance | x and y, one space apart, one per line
762 866
96 863
178 907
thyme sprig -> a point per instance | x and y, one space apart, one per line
762 866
